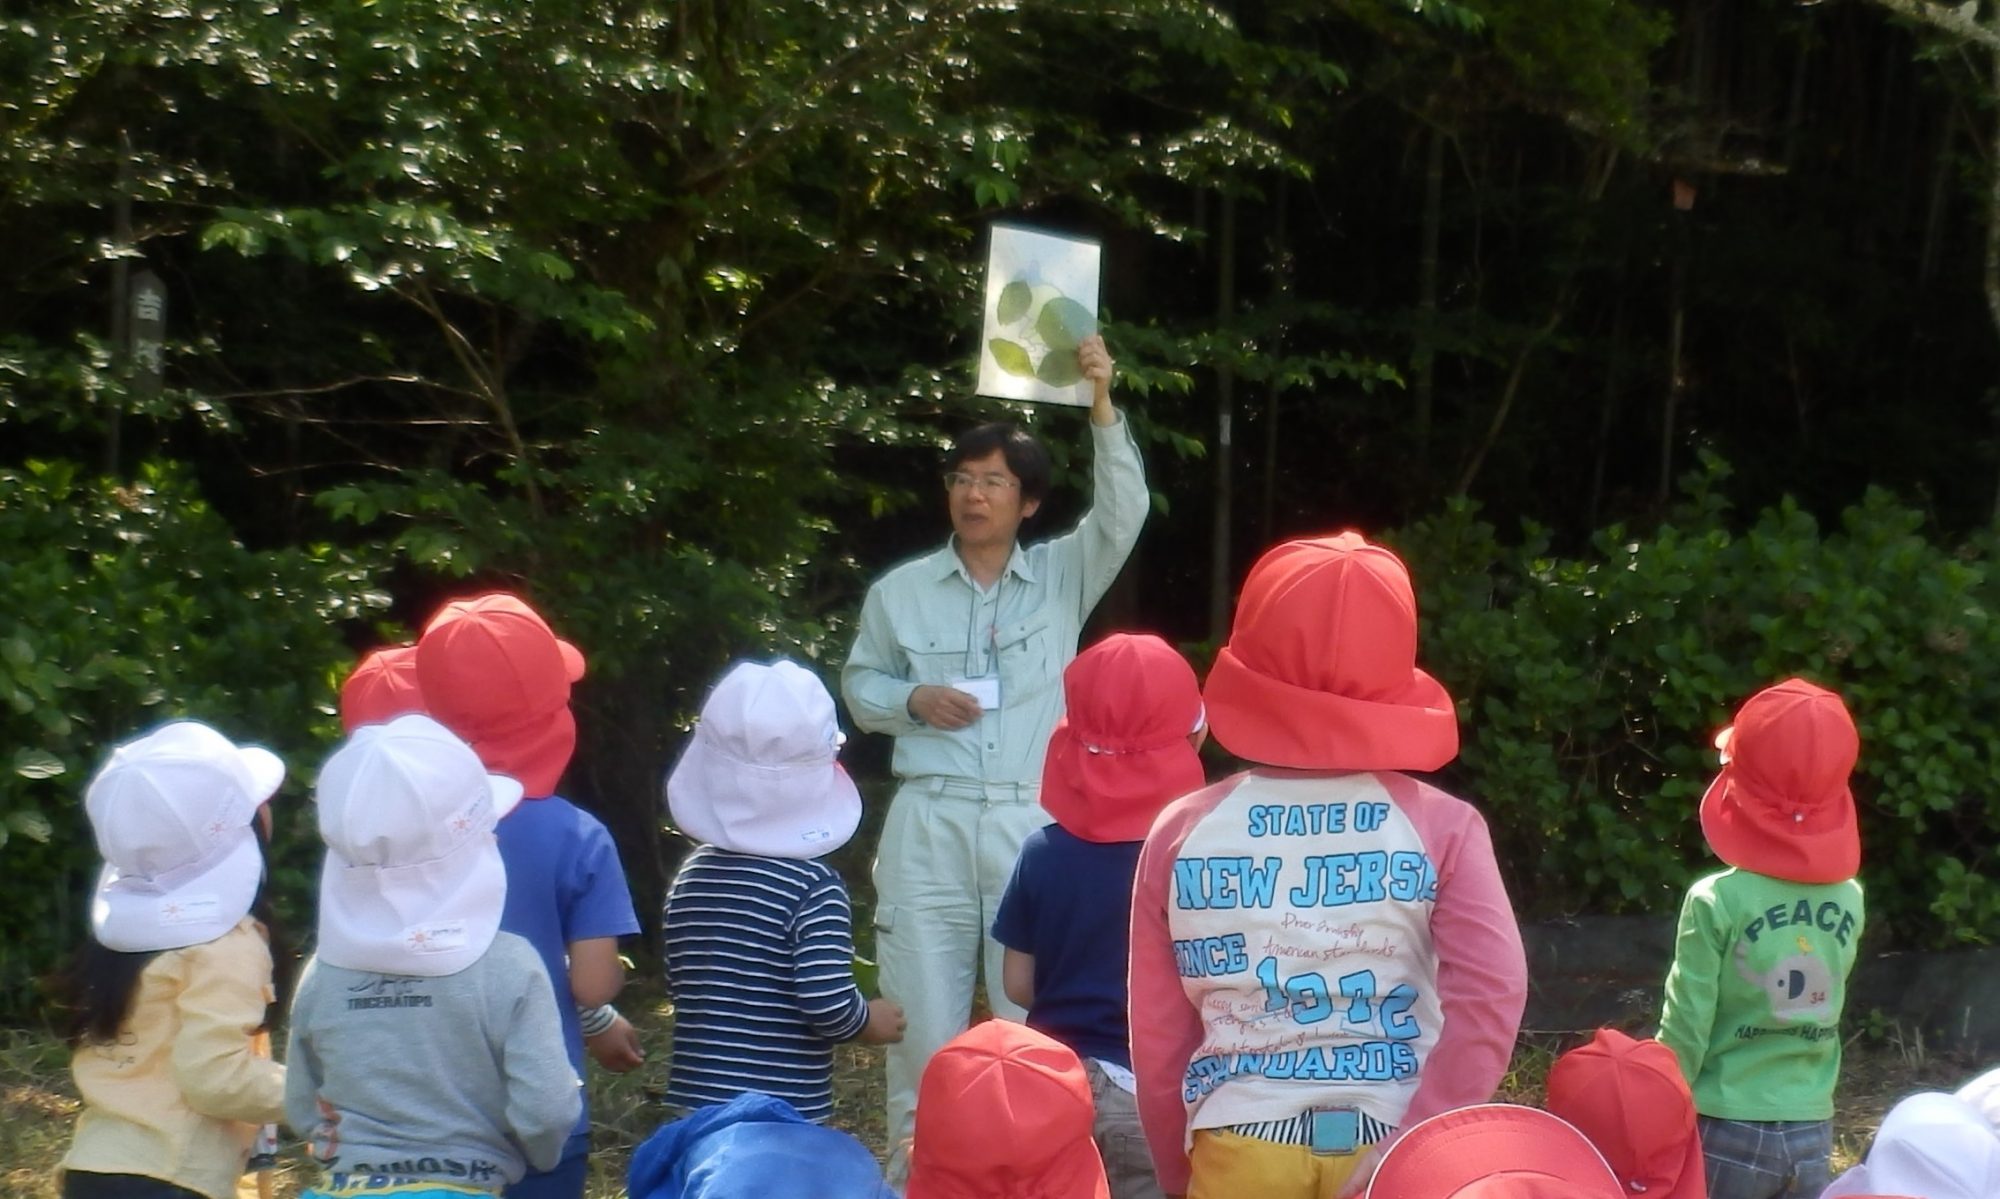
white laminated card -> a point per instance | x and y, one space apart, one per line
1041 300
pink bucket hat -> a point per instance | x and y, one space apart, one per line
1780 805
493 672
1320 672
1121 753
761 773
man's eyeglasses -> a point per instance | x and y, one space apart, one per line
958 480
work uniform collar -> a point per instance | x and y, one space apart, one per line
946 562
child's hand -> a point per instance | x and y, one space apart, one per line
886 1023
617 1048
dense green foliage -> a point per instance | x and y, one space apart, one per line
659 312
125 606
1590 686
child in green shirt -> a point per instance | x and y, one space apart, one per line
1763 950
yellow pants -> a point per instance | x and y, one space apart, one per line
1227 1165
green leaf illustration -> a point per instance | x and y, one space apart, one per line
1013 303
1063 323
1059 368
1012 357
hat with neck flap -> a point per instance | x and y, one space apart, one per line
1122 752
1780 805
492 671
1320 672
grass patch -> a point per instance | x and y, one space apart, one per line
38 1105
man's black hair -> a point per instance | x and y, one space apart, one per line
1026 456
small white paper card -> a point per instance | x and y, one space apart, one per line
1041 300
986 690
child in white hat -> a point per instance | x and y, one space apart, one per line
759 934
172 988
426 1053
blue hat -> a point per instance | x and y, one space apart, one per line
752 1147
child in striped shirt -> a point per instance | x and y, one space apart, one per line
758 930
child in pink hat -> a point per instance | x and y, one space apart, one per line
1322 950
491 670
1764 947
1126 748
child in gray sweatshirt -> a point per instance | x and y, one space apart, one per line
425 1049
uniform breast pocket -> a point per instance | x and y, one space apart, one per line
1028 654
932 659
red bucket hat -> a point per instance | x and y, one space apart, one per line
1320 672
381 687
1003 1112
1493 1151
1630 1099
493 672
1781 804
1121 752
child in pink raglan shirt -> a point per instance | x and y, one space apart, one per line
1322 950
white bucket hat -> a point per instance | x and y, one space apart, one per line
172 811
761 775
413 882
1932 1145
1982 1094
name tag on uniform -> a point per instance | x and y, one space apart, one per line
986 690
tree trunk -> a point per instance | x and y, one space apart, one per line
1423 387
1221 578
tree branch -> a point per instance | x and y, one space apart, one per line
1959 21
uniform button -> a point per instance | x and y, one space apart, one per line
990 745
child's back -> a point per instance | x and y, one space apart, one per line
458 1080
759 935
1127 747
760 963
427 1049
1323 952
178 972
1763 949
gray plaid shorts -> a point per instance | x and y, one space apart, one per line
1767 1159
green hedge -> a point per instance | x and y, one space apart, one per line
1590 687
123 605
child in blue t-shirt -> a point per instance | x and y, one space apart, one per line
492 671
1127 748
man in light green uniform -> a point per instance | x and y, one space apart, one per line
960 657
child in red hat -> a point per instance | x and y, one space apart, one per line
1629 1098
1004 1112
1322 950
1126 749
491 670
1764 947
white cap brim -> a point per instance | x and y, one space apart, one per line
507 793
136 915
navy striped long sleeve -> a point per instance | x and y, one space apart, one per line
760 956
